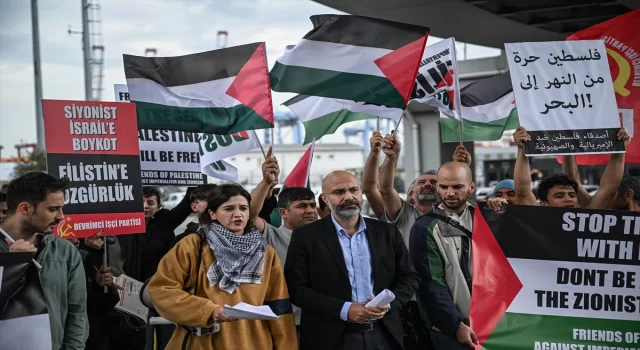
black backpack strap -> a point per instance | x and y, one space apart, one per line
449 221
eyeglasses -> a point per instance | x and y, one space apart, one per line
354 191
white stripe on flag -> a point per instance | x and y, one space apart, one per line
209 94
344 58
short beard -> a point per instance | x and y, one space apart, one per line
425 197
461 203
345 214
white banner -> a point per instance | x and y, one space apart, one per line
565 97
437 81
167 157
215 148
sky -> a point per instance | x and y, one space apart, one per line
172 27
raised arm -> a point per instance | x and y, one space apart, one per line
612 176
181 211
370 176
392 202
522 172
270 173
570 168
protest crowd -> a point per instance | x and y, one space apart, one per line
281 267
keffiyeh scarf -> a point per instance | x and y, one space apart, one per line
239 259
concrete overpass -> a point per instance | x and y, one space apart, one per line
482 22
492 22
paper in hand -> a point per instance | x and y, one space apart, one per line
244 311
384 298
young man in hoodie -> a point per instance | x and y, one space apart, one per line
34 208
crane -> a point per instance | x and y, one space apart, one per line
221 39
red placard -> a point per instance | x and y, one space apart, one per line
87 225
95 146
90 127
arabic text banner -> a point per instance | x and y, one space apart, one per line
570 281
95 146
565 97
167 157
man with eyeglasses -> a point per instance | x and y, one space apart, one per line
337 264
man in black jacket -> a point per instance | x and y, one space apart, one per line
97 277
335 265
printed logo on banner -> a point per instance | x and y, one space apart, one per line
565 97
64 229
437 82
215 148
167 157
95 146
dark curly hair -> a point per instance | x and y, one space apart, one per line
547 184
33 188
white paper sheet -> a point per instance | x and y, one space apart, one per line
384 298
244 311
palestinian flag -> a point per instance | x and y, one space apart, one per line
323 116
217 92
353 58
550 278
620 35
299 176
24 317
488 110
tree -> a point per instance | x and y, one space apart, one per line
37 161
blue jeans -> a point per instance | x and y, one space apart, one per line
446 342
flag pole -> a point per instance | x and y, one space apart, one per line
461 139
261 148
273 139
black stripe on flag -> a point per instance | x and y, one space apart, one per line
546 233
295 100
364 31
190 69
485 91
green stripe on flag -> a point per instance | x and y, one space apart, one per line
521 331
329 123
340 85
201 120
477 131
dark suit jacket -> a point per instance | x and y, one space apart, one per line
318 279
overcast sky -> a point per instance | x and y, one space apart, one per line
173 27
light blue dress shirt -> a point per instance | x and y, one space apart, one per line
358 259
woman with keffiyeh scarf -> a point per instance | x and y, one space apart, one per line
236 266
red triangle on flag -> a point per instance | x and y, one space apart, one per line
495 284
299 176
252 87
395 66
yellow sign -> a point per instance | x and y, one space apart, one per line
65 229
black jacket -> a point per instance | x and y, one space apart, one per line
142 252
98 302
318 279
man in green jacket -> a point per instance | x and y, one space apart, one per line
34 208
